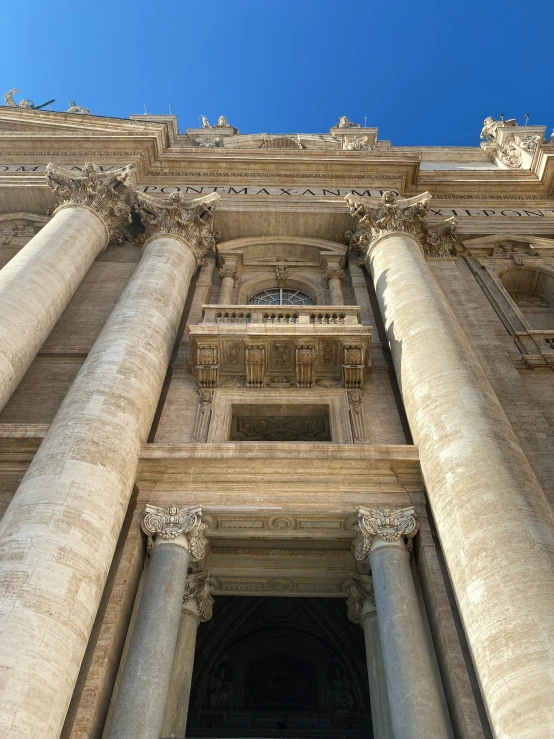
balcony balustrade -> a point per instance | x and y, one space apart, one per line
280 346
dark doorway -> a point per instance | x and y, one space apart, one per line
280 667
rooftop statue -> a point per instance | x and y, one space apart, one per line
8 97
25 104
345 122
222 122
490 127
74 108
205 122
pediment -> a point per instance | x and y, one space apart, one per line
507 243
296 251
17 120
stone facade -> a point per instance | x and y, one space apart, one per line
246 379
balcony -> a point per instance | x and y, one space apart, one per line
280 346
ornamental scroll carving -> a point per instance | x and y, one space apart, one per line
389 524
198 588
191 220
107 193
168 524
393 215
360 589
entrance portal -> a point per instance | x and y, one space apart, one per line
280 667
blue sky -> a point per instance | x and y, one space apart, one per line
426 73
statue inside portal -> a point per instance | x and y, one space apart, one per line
221 690
343 696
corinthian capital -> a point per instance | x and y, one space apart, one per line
175 215
359 589
169 524
107 193
390 215
198 588
390 525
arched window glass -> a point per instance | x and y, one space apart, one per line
281 296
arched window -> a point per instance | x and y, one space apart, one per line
281 296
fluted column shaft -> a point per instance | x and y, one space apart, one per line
413 694
380 712
39 281
495 524
66 516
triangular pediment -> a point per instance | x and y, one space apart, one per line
20 121
507 242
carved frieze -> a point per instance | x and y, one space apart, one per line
207 365
107 193
305 356
353 366
255 356
191 220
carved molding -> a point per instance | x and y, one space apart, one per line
255 360
305 358
390 525
228 272
207 365
191 220
357 416
107 193
198 587
203 414
166 525
360 589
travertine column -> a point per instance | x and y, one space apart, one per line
176 535
59 532
197 608
494 521
414 697
334 277
362 610
228 275
38 283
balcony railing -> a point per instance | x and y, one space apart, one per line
281 315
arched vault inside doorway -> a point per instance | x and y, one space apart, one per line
280 667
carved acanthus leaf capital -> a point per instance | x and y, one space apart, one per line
198 588
390 525
334 274
390 215
360 589
393 215
107 193
169 524
228 271
175 215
